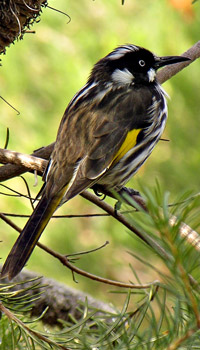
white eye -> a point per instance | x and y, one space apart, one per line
142 63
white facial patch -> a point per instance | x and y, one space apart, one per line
122 76
121 51
151 74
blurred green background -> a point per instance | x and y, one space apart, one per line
39 76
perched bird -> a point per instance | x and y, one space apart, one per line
108 130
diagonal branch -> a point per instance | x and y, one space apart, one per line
65 261
41 164
25 160
186 231
169 71
9 171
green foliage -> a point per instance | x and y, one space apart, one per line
39 76
163 315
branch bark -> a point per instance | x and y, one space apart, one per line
39 164
24 160
169 71
61 300
9 171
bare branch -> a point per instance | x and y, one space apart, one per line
65 261
187 232
169 71
94 199
9 171
38 163
28 161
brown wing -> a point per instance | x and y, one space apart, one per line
90 137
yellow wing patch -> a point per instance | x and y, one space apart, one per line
129 142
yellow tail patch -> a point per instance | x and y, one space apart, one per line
129 142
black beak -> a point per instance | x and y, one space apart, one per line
164 61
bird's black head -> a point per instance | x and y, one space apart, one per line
130 64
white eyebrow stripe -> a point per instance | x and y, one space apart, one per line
121 51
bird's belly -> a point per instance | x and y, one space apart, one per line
122 170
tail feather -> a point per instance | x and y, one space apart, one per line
29 236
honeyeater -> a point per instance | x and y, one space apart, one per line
108 130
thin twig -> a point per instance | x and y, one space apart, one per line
41 164
16 17
185 231
18 113
87 251
59 11
65 261
16 193
71 216
7 138
31 332
177 343
121 218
